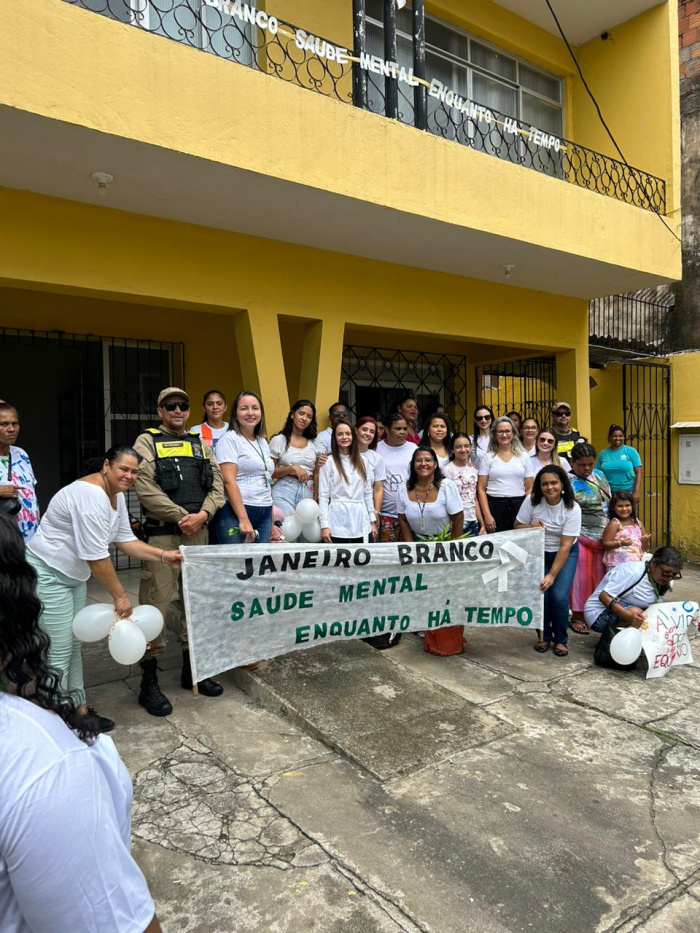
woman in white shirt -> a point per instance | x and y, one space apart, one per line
505 477
295 452
345 492
366 432
213 428
483 420
246 468
396 454
436 434
545 452
65 795
552 506
528 436
72 543
428 504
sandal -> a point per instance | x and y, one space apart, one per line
561 651
542 646
579 627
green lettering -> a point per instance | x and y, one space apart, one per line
497 615
482 616
346 593
320 630
379 588
406 585
362 590
306 599
419 583
302 634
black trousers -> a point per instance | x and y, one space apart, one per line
504 510
346 540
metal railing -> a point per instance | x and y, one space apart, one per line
632 324
210 29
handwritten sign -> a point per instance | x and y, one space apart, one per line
665 639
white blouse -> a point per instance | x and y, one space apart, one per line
346 508
435 515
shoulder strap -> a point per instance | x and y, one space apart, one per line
630 587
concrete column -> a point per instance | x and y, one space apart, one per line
262 364
573 386
322 361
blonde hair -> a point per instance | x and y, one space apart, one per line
515 440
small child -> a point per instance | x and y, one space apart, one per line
461 471
624 538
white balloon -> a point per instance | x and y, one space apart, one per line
307 511
127 643
626 646
312 531
149 620
93 622
291 528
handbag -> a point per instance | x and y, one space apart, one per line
602 656
10 506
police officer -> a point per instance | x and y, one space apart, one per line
180 489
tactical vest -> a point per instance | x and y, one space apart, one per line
182 471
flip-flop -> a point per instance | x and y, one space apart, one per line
561 652
583 630
542 646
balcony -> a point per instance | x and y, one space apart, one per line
239 33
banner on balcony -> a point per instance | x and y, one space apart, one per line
246 603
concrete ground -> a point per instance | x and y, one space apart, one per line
345 790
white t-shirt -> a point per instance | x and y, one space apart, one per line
254 463
397 463
79 525
23 478
375 466
324 440
615 582
65 830
481 448
506 478
538 465
435 514
304 457
465 479
209 435
558 520
346 508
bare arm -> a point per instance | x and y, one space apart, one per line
378 497
637 483
142 551
489 523
529 480
154 926
632 616
105 574
608 540
405 529
457 522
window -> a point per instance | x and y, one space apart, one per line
474 70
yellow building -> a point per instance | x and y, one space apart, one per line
255 228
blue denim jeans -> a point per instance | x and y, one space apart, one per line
471 528
288 492
259 516
556 599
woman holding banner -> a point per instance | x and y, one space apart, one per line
345 492
552 506
429 505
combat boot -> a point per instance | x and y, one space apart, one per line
207 687
153 700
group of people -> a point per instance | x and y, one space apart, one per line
383 479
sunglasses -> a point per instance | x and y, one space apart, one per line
560 414
545 440
340 414
483 417
180 406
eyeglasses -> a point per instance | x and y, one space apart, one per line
669 574
483 417
180 406
504 433
545 440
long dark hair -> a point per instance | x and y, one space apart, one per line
622 495
567 493
477 426
260 430
425 439
310 431
413 476
23 644
354 452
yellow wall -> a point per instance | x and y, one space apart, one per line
685 501
65 246
90 71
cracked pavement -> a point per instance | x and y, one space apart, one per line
344 790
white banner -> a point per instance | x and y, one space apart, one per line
665 635
248 602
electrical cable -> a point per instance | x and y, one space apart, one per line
601 117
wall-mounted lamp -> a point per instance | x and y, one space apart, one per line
507 269
102 179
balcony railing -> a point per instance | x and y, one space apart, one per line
209 28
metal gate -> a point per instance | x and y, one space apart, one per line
373 378
646 403
527 386
79 393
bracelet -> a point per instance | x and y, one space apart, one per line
161 557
